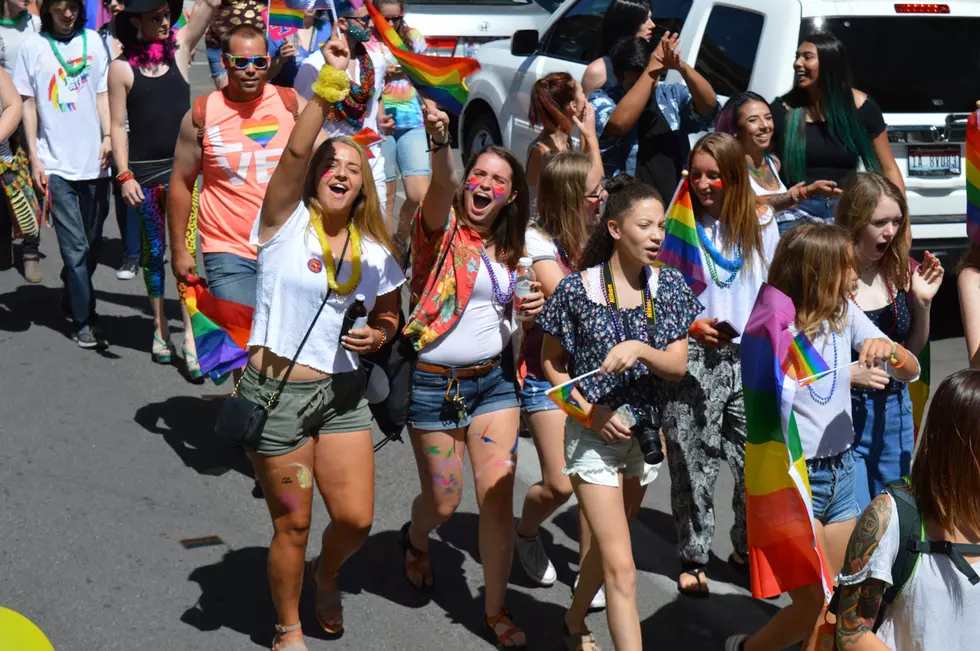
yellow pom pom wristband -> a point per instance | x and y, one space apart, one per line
332 85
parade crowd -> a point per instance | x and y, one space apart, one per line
529 270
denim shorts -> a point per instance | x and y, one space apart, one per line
429 410
596 462
833 483
231 277
406 147
214 63
533 398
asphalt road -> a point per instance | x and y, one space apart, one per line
107 463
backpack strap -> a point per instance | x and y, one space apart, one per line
199 111
288 97
955 552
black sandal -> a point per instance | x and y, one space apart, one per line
742 567
697 571
420 564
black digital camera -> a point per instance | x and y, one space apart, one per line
647 432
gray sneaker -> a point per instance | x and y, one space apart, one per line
86 337
534 560
128 270
735 642
598 601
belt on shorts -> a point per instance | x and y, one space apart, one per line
478 370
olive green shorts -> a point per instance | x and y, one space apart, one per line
329 406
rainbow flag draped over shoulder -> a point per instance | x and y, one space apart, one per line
440 79
568 404
681 249
221 330
783 550
973 177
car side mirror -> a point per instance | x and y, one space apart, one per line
524 43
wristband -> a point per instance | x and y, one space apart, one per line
124 176
331 85
805 192
384 338
894 362
436 146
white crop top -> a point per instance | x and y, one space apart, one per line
292 282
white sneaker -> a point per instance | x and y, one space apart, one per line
127 271
534 560
734 643
599 600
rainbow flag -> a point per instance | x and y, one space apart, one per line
783 550
568 404
220 329
973 178
803 361
365 138
681 249
182 21
440 79
283 21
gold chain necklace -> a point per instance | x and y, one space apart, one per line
355 241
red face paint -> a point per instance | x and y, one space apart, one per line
326 174
716 184
499 191
473 183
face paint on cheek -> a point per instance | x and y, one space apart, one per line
716 184
499 191
473 183
326 175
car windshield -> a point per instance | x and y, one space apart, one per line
934 70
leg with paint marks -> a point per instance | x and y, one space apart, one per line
287 483
492 443
438 456
153 227
344 472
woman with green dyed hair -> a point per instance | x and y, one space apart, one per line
827 129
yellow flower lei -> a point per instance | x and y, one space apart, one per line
355 242
332 85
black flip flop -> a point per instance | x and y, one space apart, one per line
697 572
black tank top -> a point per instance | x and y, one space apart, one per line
156 106
895 320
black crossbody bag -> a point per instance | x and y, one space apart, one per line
240 420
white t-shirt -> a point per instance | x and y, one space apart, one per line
482 330
734 304
69 131
828 429
539 246
12 37
937 608
291 284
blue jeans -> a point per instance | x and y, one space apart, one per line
832 482
129 224
406 147
429 409
231 277
883 442
817 209
533 398
79 210
214 63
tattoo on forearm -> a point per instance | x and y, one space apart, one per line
867 534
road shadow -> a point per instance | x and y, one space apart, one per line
31 305
704 624
186 424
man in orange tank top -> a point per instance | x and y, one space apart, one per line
235 138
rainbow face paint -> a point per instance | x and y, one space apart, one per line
473 183
499 191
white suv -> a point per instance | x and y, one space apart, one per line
919 62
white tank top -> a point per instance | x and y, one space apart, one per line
761 191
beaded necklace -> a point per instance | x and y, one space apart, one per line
353 108
71 70
328 261
714 259
564 256
819 399
499 297
891 297
612 302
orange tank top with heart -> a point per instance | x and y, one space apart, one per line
243 142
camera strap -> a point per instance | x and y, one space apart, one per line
612 302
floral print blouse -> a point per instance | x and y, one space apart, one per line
576 315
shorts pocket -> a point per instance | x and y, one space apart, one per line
425 380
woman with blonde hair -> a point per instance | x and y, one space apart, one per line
568 206
968 287
897 300
704 422
319 428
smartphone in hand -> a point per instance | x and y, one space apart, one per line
727 329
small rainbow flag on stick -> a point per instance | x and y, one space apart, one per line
803 362
282 20
973 177
440 79
681 249
561 395
220 329
783 549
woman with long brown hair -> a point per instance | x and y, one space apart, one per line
567 207
968 287
466 327
559 106
319 428
898 301
704 422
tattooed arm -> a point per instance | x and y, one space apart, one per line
859 604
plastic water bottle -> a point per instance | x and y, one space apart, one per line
522 286
355 318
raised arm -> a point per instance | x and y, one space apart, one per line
924 283
187 166
120 83
188 37
702 94
968 286
628 110
13 106
442 188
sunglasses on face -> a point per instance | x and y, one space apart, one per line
260 61
394 20
363 21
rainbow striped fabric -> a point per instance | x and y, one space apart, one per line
282 20
783 550
681 249
803 361
973 177
440 79
221 330
568 404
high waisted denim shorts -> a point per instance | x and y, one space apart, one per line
533 398
430 410
833 483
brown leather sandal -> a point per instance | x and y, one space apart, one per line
329 607
507 636
419 564
584 641
292 646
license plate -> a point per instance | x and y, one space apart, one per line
934 162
